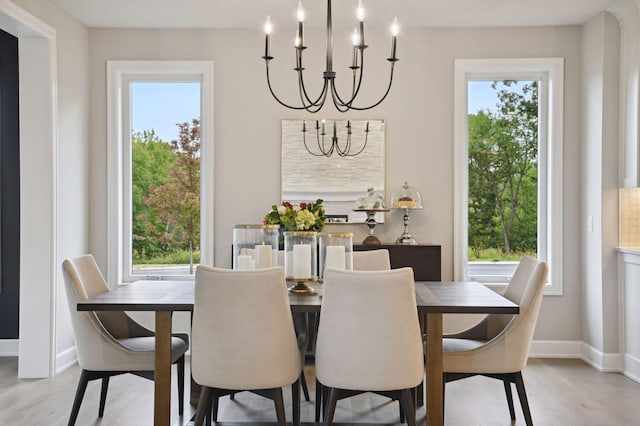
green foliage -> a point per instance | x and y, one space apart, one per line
166 194
503 173
151 159
178 257
305 217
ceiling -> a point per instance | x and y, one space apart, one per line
252 13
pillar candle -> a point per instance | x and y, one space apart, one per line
263 256
334 257
244 262
301 261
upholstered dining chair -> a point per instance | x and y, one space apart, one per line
243 337
110 343
364 260
371 260
498 346
369 337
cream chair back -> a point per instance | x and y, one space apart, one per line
369 336
242 333
97 347
522 291
371 260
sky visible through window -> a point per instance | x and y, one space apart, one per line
159 106
483 97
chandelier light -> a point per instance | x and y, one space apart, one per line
357 65
327 149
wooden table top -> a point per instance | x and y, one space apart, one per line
431 297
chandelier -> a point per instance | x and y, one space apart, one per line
357 65
327 149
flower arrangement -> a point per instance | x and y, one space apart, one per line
303 217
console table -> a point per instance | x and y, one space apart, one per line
424 259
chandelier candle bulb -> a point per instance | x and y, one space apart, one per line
300 21
263 256
267 31
301 261
394 36
360 16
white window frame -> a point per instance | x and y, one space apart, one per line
550 72
119 76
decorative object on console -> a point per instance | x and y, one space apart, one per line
326 149
301 260
357 65
407 198
255 246
303 217
371 204
336 251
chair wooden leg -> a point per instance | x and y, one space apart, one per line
103 395
407 405
318 400
330 407
524 403
507 391
305 388
295 401
82 387
214 403
279 403
180 367
203 405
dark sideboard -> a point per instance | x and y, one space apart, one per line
424 259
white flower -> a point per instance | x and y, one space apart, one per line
282 210
296 208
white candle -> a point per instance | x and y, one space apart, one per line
263 256
301 261
244 262
334 257
288 265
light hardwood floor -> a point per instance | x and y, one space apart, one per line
561 392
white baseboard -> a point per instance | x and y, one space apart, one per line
555 349
632 367
8 347
605 362
65 359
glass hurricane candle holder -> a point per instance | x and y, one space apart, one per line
255 246
301 260
336 251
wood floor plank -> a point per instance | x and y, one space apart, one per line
561 392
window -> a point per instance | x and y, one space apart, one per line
159 169
508 168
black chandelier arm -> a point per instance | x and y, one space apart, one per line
347 147
366 139
321 147
348 104
304 139
341 105
311 106
274 95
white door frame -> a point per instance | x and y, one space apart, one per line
38 189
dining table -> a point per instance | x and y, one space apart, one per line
433 299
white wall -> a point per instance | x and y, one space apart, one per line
72 170
600 76
419 114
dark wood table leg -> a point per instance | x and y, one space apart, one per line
162 376
435 408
